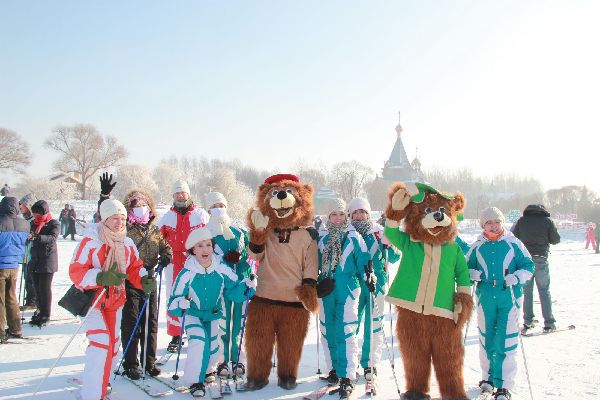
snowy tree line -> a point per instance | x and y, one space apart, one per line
84 150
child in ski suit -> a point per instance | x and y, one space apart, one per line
230 244
500 264
104 259
343 256
359 211
198 292
590 236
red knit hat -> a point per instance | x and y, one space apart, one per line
281 177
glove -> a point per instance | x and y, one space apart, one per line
148 284
143 272
259 220
475 275
250 283
112 277
184 304
106 185
163 261
232 257
400 200
371 281
511 280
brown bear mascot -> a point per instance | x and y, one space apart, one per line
431 290
288 266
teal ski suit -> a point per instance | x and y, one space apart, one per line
338 312
380 254
205 288
231 323
497 313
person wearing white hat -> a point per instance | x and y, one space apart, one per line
343 256
230 244
198 292
500 264
175 225
373 284
102 261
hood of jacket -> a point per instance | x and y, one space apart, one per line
9 206
536 210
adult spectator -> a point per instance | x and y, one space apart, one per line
44 259
13 236
63 218
30 300
5 190
537 231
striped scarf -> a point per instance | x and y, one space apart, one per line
333 249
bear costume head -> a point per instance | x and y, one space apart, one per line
284 202
430 216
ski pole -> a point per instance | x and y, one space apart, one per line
68 343
387 272
468 321
390 357
147 330
371 332
175 376
318 340
133 332
237 361
159 270
512 295
20 289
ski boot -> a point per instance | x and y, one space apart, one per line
486 387
549 329
210 377
153 371
173 344
502 394
198 390
332 378
238 368
132 373
345 389
223 369
370 374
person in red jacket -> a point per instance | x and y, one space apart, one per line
176 225
103 260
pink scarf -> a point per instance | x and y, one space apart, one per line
115 241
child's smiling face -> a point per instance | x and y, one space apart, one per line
203 251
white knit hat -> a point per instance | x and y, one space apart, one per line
111 207
489 214
213 198
180 186
359 203
196 236
334 205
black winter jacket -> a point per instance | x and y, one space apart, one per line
536 230
44 254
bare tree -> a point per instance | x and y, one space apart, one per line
130 177
349 178
84 151
239 196
164 175
14 151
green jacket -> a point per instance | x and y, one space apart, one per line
428 275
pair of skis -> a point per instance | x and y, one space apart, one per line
530 332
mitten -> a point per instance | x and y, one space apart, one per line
250 283
232 257
148 284
371 281
184 304
475 275
511 280
400 200
112 277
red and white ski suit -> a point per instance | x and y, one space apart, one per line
103 323
176 228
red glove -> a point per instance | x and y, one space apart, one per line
232 257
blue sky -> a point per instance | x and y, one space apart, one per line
495 86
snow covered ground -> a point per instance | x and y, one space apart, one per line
563 365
